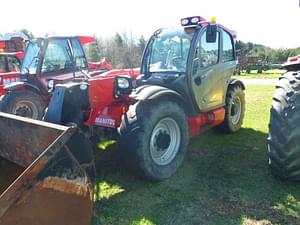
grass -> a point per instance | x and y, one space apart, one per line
272 74
224 180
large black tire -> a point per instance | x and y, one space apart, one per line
234 110
284 128
154 139
23 103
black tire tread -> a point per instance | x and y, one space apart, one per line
284 128
7 101
135 125
226 127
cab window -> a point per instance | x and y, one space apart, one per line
79 56
3 68
57 57
227 52
206 54
13 64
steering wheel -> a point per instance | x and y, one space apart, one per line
179 62
50 67
204 60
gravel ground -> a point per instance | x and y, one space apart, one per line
259 81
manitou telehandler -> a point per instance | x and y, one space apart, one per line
48 61
184 88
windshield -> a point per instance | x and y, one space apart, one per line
31 57
169 50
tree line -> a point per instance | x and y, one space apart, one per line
122 51
125 51
271 55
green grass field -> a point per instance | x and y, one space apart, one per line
224 180
273 74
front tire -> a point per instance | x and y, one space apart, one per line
284 128
154 139
23 103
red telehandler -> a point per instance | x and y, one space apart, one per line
47 62
185 87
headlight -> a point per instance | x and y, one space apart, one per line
195 20
50 84
123 85
123 82
184 22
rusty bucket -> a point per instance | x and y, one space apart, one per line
45 174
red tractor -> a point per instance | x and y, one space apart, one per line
47 61
185 87
284 135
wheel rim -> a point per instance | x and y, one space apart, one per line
165 141
236 109
26 109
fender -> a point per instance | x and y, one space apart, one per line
233 81
152 92
20 85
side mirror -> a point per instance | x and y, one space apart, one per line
211 33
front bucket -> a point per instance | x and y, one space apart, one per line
43 174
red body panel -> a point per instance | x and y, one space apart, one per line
19 55
101 65
12 76
106 108
8 78
86 39
198 123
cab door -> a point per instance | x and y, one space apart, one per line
57 62
207 75
228 57
63 60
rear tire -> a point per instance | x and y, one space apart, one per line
234 110
284 128
154 139
23 103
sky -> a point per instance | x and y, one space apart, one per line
270 22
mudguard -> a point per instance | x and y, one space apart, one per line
20 85
233 81
152 92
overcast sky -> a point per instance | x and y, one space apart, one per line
274 23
